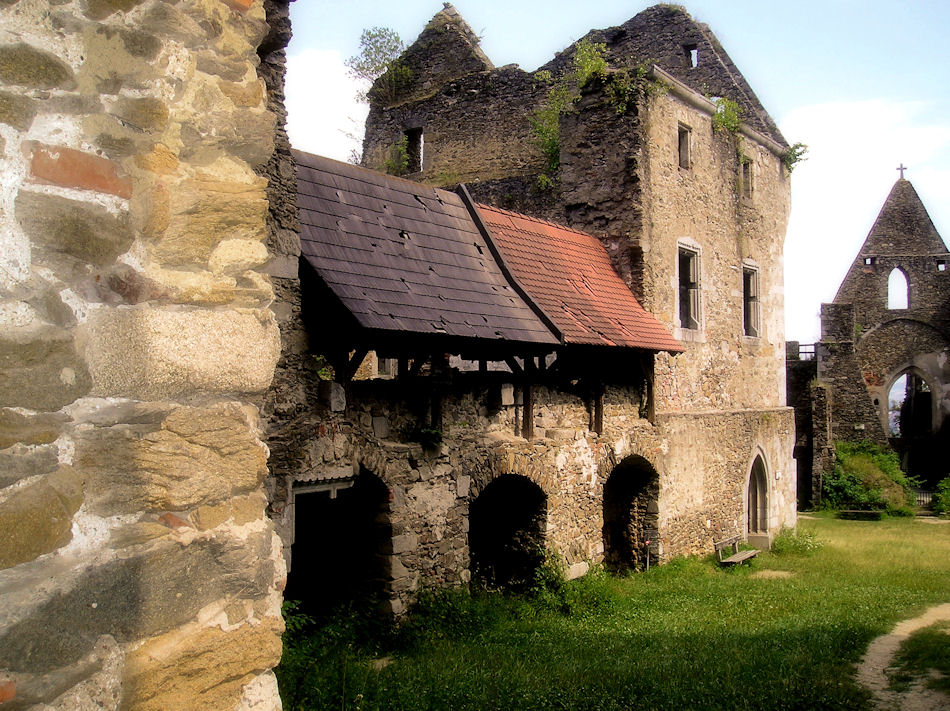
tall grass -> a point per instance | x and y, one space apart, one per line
687 634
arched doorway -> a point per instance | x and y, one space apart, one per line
630 514
757 500
342 542
507 523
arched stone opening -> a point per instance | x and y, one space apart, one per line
898 290
912 426
507 524
631 515
757 500
341 552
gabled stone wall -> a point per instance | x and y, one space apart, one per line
137 566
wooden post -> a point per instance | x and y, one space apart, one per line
527 429
599 409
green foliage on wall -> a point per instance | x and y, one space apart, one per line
378 59
867 476
728 116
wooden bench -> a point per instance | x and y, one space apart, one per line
737 555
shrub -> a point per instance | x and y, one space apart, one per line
868 476
792 542
941 497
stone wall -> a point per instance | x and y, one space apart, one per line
139 569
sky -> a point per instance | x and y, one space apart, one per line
864 83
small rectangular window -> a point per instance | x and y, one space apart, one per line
941 265
683 144
691 52
745 177
688 288
414 146
750 301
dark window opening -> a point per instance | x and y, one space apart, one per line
630 515
691 52
414 147
507 523
869 260
750 301
689 288
941 266
683 144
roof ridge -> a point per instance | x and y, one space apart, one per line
542 221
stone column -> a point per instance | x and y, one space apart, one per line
137 566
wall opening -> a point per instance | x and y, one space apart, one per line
909 406
414 148
342 545
898 291
757 503
745 177
630 515
683 137
691 53
507 523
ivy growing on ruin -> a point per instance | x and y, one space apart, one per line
728 116
794 155
589 63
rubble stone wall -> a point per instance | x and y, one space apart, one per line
138 568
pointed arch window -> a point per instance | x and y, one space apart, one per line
898 291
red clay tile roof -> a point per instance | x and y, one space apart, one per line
405 257
569 275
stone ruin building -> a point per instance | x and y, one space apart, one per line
880 372
166 421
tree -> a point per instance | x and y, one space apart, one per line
380 49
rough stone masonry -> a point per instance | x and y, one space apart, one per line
138 568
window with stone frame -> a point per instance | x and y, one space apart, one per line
745 177
689 302
751 312
683 144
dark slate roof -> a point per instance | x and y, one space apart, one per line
569 275
404 257
903 227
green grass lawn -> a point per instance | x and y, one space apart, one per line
684 635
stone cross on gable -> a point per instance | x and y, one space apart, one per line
901 168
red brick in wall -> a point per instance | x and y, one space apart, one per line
74 169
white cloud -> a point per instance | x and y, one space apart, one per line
854 150
321 105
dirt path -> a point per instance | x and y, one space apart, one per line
871 670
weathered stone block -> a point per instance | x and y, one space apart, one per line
116 58
40 369
204 669
235 256
149 592
205 212
25 65
239 510
160 160
17 111
75 169
19 461
37 519
59 226
159 353
33 429
333 395
172 461
101 9
146 113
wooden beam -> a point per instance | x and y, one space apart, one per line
599 409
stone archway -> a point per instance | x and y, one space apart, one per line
342 544
630 514
507 524
911 411
757 501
